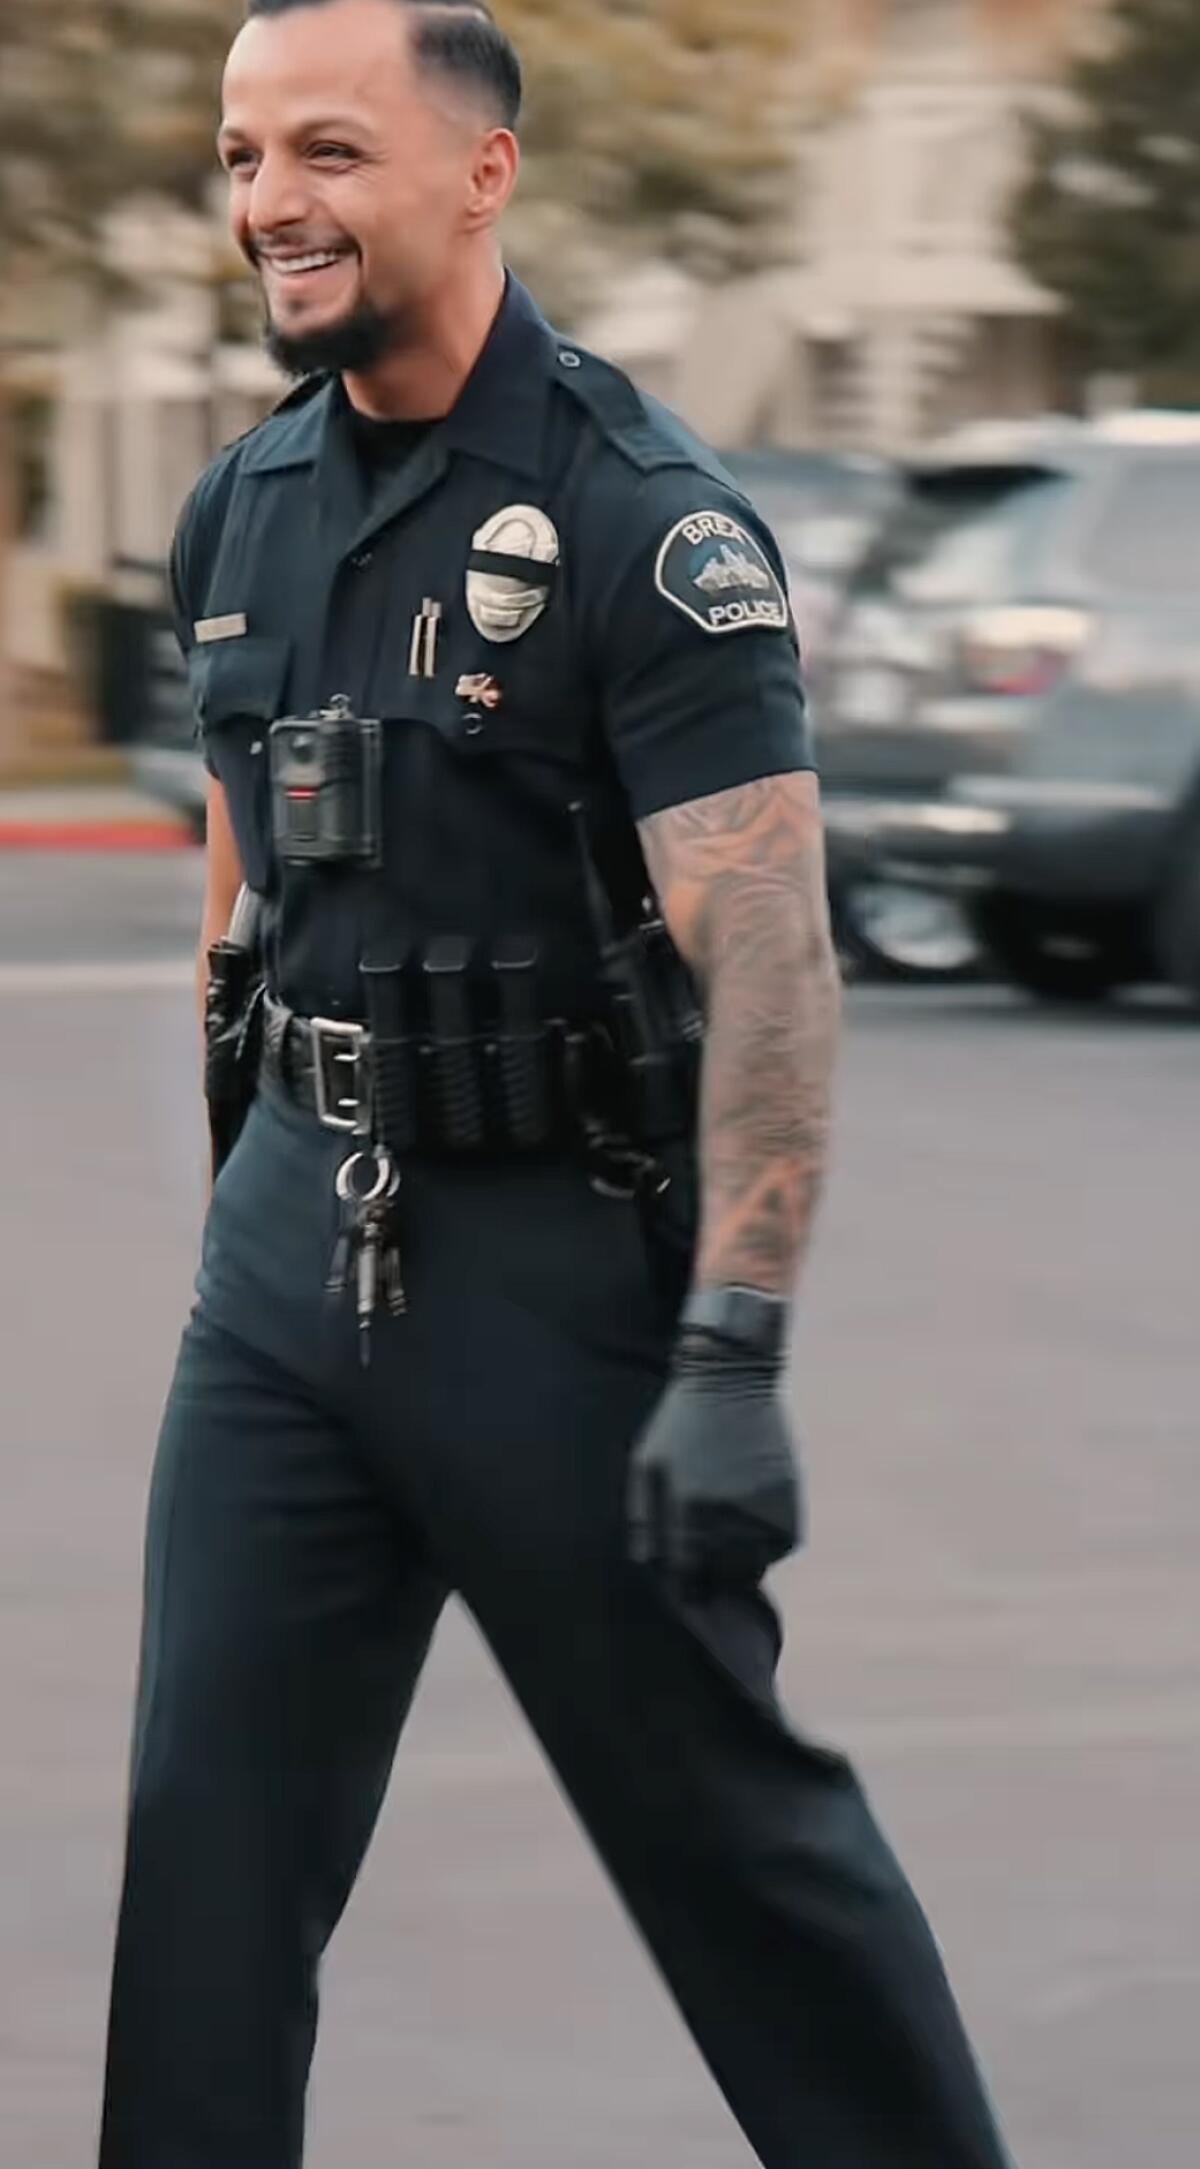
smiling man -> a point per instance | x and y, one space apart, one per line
347 205
499 691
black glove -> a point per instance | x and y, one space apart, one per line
714 1493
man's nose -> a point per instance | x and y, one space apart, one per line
278 197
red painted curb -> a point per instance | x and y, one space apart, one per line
93 836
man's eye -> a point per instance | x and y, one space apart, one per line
331 154
238 161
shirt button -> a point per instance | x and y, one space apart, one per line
569 358
361 558
473 723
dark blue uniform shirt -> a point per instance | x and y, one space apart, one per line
555 593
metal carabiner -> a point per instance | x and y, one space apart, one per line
385 1184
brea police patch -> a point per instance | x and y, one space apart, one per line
712 569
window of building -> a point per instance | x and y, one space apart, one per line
31 418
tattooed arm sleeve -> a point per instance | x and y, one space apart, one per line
741 880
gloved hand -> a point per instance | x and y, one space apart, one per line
714 1492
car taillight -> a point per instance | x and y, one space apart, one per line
1020 650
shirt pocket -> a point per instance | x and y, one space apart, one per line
489 703
238 690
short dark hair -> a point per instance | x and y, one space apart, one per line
458 39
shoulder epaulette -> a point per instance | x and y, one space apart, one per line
622 414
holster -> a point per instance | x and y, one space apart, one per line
654 1012
233 1012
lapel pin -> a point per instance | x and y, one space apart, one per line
480 689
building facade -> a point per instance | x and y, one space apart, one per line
110 429
902 311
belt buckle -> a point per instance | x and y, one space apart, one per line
336 1043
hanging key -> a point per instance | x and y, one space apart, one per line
367 1291
379 1260
338 1277
391 1272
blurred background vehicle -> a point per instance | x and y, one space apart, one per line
1010 718
823 508
826 510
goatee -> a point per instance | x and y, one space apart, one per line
357 342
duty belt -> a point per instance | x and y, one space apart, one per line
462 1092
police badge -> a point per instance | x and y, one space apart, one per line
512 571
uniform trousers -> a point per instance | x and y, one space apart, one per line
307 1521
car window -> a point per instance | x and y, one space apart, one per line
1148 537
822 522
825 541
962 535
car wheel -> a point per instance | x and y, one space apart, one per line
1056 958
887 930
1178 928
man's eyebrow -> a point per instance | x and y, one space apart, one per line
317 124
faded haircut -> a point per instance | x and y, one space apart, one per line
459 40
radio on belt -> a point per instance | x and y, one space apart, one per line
325 778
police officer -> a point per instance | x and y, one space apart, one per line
486 651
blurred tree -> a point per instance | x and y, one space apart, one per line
1109 218
653 128
99 100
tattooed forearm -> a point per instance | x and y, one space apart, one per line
741 880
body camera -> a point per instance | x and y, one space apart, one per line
325 777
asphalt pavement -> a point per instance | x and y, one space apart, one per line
998 1374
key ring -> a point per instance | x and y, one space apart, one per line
384 1184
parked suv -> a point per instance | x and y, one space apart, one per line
823 508
1011 700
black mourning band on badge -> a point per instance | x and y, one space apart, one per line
533 569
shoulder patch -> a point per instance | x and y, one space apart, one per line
715 571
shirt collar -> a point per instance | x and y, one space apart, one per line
500 414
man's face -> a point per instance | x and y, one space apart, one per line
349 177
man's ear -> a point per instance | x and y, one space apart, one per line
493 177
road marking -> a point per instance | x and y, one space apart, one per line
88 836
153 976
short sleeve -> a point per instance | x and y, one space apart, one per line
696 658
178 583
